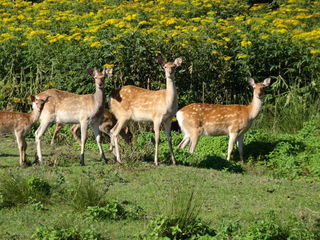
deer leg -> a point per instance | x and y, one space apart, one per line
97 134
56 130
74 130
83 127
240 146
193 141
112 145
114 138
22 145
167 128
156 128
40 131
232 140
184 142
105 128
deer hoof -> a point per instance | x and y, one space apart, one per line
81 159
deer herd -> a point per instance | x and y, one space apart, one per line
132 103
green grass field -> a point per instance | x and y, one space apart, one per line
236 205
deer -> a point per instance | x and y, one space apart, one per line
19 124
139 104
65 107
216 120
107 122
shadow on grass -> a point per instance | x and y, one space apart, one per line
8 155
218 163
258 150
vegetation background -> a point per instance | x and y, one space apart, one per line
276 195
47 44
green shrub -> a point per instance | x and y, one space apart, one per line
182 222
270 228
18 189
114 210
86 193
297 155
171 228
267 229
71 233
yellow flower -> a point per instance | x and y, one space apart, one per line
89 38
41 21
93 29
108 65
214 52
17 100
56 38
227 58
121 24
282 30
131 17
264 36
96 44
5 37
245 43
116 37
242 56
143 23
315 51
31 33
111 21
168 22
227 39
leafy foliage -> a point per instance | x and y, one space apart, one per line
114 210
17 189
72 233
50 44
86 193
182 222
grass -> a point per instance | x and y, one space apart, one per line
221 196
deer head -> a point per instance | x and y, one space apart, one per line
170 67
259 87
100 76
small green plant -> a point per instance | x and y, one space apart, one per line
181 223
270 228
115 210
71 233
86 193
38 185
297 155
17 189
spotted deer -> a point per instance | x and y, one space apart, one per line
215 120
108 121
65 107
140 104
20 124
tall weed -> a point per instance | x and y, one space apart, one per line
16 189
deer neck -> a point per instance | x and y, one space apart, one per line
34 116
99 98
171 91
255 107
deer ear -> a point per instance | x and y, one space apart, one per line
46 99
178 61
161 61
267 82
91 71
251 82
108 71
33 98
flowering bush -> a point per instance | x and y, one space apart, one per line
51 43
